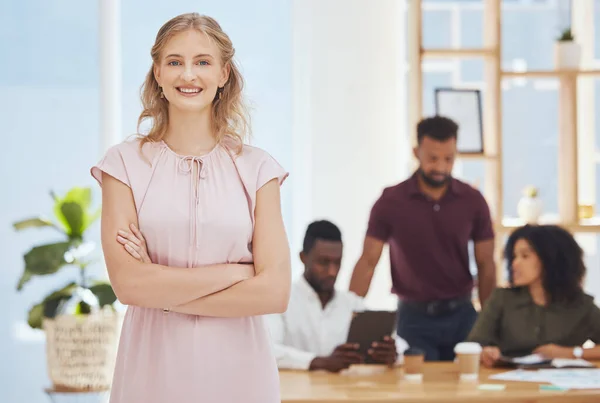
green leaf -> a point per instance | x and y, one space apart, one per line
42 260
25 277
35 316
83 309
104 292
74 216
36 222
51 306
81 196
52 301
48 307
566 35
46 259
73 211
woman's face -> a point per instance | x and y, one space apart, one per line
190 71
526 265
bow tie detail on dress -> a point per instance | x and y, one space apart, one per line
186 165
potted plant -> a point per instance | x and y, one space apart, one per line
529 207
567 52
81 324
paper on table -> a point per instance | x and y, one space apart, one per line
568 362
563 378
571 373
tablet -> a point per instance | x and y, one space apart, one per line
371 326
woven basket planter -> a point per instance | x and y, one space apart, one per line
81 350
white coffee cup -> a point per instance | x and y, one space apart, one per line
468 356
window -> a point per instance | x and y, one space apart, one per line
530 106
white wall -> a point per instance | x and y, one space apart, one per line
349 140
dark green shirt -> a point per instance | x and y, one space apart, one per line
511 321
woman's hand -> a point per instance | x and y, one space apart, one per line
489 356
134 243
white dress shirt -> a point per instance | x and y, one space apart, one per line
306 330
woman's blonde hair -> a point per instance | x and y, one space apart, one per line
229 113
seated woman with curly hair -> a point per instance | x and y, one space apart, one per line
546 310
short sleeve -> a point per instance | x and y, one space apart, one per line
483 228
379 224
270 169
113 164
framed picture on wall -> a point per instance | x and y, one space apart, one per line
464 107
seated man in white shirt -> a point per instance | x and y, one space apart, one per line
311 334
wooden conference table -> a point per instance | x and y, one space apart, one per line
440 384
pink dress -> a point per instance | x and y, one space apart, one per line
179 358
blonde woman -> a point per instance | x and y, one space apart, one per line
206 208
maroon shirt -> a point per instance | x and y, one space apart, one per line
428 239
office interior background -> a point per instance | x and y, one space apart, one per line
327 81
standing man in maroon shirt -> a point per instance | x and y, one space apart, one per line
428 221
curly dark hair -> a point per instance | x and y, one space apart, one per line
437 127
561 256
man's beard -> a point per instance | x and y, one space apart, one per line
434 183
